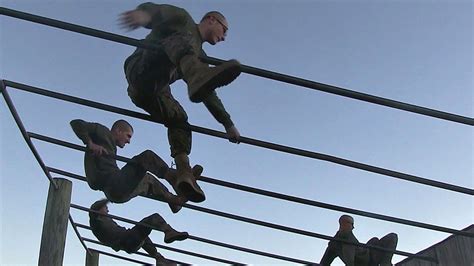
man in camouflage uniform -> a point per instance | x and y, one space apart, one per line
358 256
131 240
121 185
150 72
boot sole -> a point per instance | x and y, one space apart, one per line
191 192
225 77
179 237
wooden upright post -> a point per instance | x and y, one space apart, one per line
92 258
55 222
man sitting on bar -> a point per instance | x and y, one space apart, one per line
131 240
121 185
353 255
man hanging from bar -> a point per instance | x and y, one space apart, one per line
150 72
121 185
358 256
131 240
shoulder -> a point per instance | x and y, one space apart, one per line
176 12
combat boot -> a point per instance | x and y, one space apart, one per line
172 235
186 184
176 203
172 177
202 79
160 260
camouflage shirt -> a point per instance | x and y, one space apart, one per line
97 168
168 20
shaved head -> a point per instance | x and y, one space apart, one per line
346 218
121 125
217 15
346 223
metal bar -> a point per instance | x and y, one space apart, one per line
247 69
154 228
349 93
212 242
120 257
265 224
252 251
301 232
254 142
179 251
138 253
199 255
333 207
78 234
278 196
22 129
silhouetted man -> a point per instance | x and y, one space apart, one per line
358 256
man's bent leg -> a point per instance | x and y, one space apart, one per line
389 241
153 188
150 161
201 78
180 139
159 223
378 257
121 185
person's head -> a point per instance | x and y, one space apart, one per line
100 206
122 132
346 223
213 27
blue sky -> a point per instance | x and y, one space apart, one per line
418 52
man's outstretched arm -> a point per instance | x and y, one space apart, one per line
83 131
148 15
217 109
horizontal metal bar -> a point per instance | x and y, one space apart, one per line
138 253
265 224
225 245
274 194
119 257
75 206
254 142
349 93
247 69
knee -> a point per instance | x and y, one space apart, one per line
148 154
393 238
373 241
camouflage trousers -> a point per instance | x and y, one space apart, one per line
133 180
149 74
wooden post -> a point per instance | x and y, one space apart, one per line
92 258
55 222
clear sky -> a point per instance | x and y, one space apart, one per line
420 52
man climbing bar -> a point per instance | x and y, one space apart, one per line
131 240
121 185
150 72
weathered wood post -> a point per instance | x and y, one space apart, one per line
92 258
55 222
